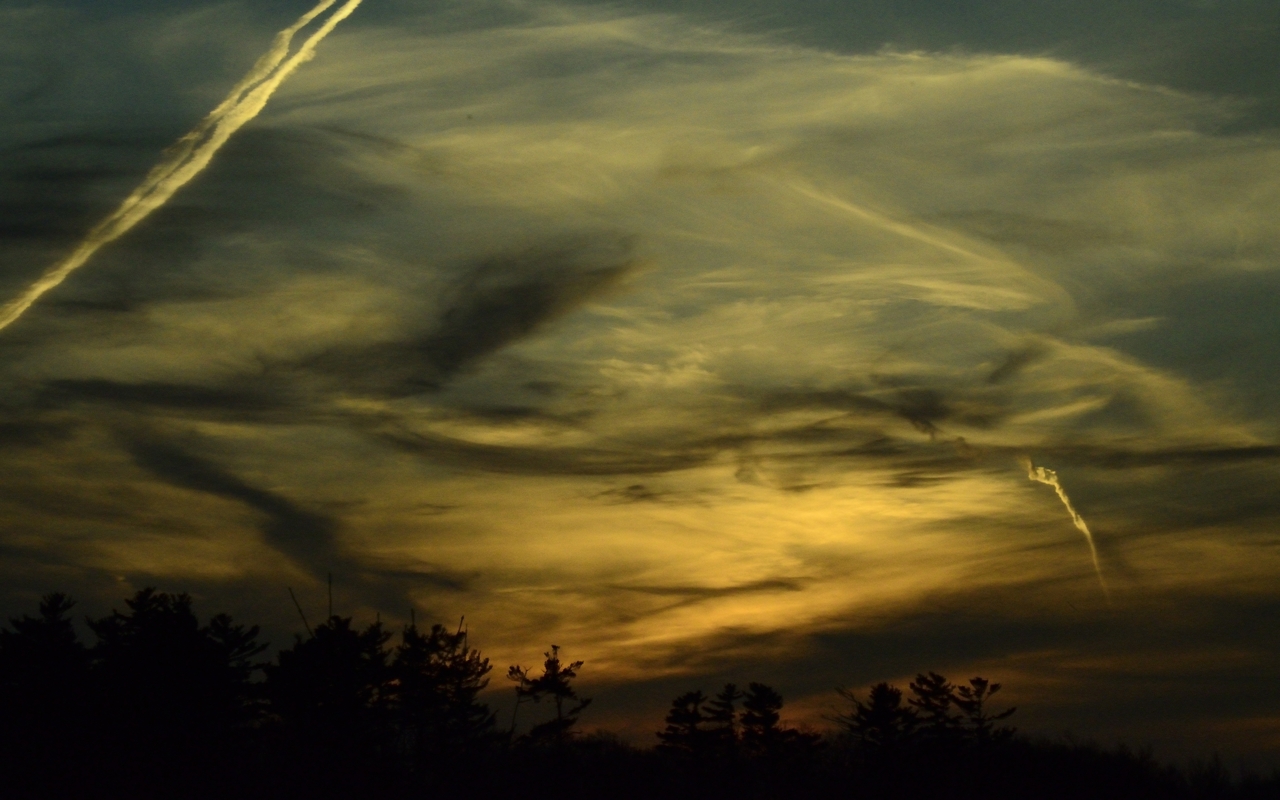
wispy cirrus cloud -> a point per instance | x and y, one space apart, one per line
705 352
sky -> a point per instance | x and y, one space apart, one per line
708 341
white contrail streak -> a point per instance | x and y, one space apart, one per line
885 222
189 156
1050 478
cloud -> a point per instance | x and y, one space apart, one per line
704 353
499 301
154 394
305 536
190 155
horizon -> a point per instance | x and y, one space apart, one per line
719 342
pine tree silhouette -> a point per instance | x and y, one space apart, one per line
722 720
554 682
686 732
760 716
168 692
44 694
436 678
979 725
880 724
933 698
334 683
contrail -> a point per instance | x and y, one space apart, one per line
1050 478
188 157
887 223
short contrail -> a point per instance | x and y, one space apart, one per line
1050 478
189 156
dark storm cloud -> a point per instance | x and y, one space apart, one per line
1222 326
1130 669
1045 234
508 297
305 536
430 577
498 301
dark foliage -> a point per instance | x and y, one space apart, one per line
687 732
881 724
329 700
436 680
44 672
164 706
167 689
555 682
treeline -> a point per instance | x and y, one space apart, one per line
161 704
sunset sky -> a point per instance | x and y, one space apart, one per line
709 341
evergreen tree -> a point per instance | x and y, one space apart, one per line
722 719
436 680
762 731
170 676
759 719
41 650
979 725
554 682
933 697
881 723
330 691
171 697
44 671
685 732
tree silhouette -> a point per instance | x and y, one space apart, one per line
881 723
554 682
932 697
328 695
333 683
167 690
44 671
762 731
436 680
760 715
43 649
685 732
978 724
722 719
164 706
